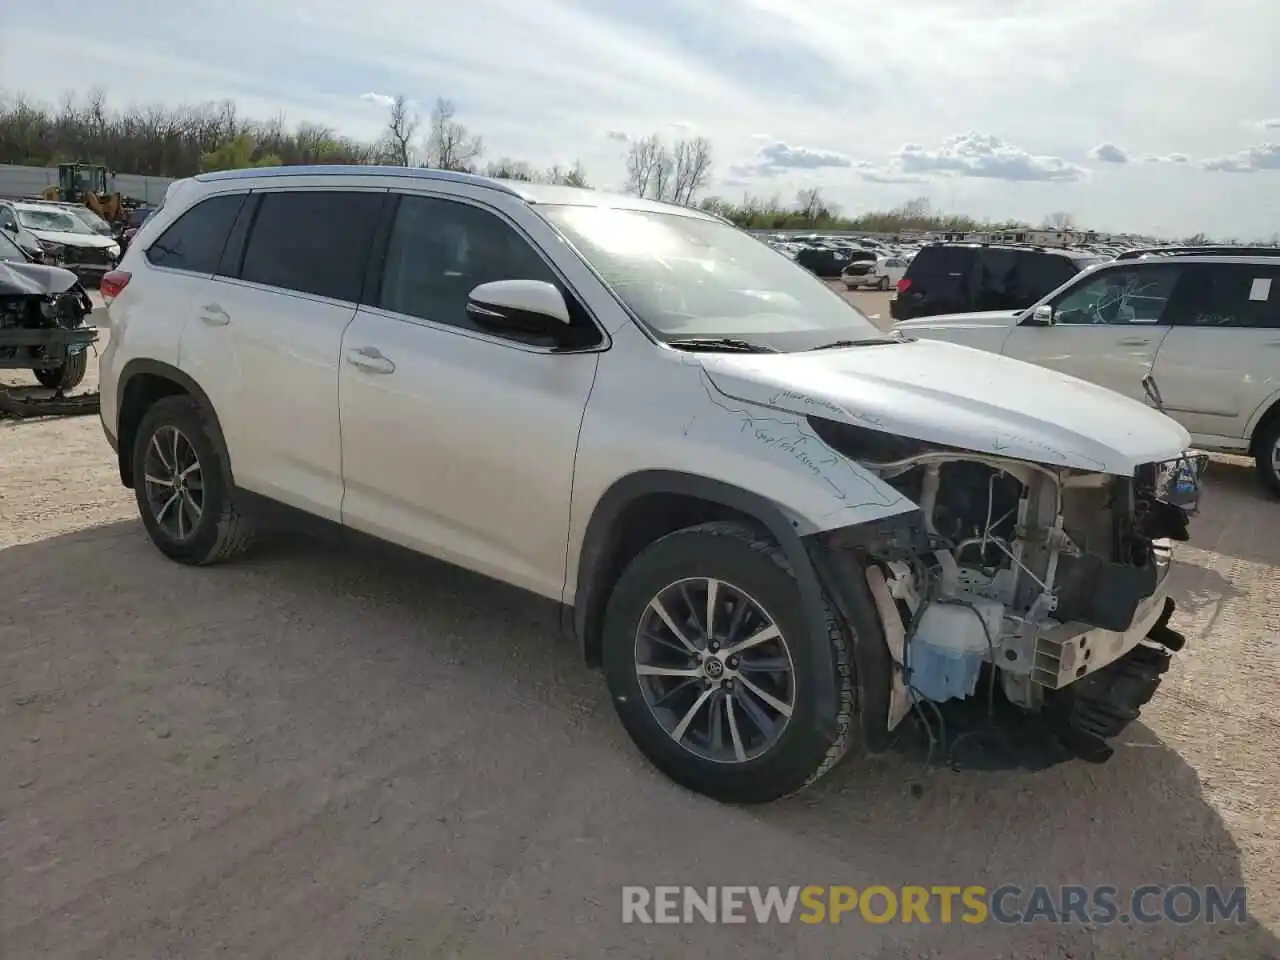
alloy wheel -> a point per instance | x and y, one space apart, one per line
715 670
174 483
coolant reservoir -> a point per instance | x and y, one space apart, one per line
945 655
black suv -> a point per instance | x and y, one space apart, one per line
972 277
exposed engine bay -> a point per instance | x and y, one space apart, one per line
1038 578
43 313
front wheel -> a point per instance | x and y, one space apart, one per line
183 487
714 668
1267 456
884 283
68 375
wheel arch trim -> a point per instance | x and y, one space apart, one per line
603 532
158 368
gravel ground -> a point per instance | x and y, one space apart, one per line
345 751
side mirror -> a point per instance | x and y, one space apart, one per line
520 306
8 227
1042 316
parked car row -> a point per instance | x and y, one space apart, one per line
1193 332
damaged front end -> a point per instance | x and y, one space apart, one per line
43 327
1041 587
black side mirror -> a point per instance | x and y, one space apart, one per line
8 227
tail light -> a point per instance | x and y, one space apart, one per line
903 286
113 283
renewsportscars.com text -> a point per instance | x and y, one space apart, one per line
974 904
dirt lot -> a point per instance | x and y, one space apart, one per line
330 751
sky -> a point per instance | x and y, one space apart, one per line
1153 116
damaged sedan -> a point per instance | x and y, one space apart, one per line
784 534
43 327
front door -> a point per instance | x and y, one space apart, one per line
1106 329
458 442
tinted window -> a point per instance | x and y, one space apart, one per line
1040 273
194 241
1125 295
439 251
312 241
1227 295
939 263
994 283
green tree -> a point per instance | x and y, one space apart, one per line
236 154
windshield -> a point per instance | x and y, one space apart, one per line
92 221
52 220
9 250
687 277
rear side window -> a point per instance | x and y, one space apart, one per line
1227 295
194 241
1039 274
312 241
941 263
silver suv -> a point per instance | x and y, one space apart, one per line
775 526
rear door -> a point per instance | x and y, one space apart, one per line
937 282
1107 328
994 281
267 336
1221 360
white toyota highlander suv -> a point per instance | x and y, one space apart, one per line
777 528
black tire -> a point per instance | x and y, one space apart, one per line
67 376
884 283
751 562
1265 447
221 532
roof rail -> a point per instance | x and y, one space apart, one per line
356 170
1214 250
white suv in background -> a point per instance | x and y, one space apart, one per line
1196 334
775 526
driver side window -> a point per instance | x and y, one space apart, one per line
440 250
1113 297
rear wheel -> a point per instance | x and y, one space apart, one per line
68 375
183 487
1266 453
884 283
714 669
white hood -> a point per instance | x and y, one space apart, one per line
947 394
75 239
987 318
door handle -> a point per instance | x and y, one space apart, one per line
214 315
1133 341
371 360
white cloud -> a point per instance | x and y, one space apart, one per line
1262 156
828 86
987 157
618 135
1109 153
1167 158
889 176
381 99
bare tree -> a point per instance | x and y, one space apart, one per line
917 208
810 204
644 164
450 145
692 159
402 128
1060 220
507 169
575 176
